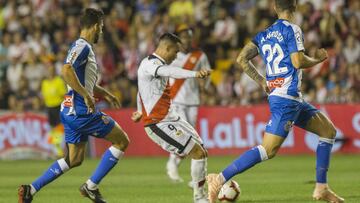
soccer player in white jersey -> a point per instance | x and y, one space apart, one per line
281 47
80 117
185 93
161 123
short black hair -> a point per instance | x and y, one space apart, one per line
90 17
286 5
170 37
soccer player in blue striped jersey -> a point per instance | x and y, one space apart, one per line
281 46
80 117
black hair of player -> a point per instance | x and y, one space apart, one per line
90 17
286 5
170 37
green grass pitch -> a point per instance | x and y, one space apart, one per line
284 179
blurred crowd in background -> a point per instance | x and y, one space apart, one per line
35 36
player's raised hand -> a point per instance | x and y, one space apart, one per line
321 54
136 116
90 103
114 101
203 73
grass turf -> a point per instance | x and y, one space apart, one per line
143 180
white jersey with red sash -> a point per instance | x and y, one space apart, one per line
186 92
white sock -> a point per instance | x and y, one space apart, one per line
117 153
198 173
32 190
91 185
173 158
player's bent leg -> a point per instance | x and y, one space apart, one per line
110 158
118 138
172 166
198 156
73 158
267 150
324 128
173 163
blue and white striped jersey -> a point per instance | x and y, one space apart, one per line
276 44
82 58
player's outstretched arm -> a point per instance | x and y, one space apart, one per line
247 53
179 73
136 116
72 80
300 60
114 101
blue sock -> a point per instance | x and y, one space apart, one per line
54 171
108 161
245 161
323 153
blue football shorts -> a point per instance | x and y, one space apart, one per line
287 112
78 128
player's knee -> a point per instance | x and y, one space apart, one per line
332 132
329 132
123 142
271 152
198 152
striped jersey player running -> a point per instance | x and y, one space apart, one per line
161 123
185 93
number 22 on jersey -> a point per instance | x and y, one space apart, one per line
271 52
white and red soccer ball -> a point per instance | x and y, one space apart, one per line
229 192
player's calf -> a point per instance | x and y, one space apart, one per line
198 172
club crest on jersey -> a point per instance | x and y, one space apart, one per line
105 119
179 133
156 62
278 82
288 126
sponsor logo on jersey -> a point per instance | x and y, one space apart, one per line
68 102
72 57
278 82
298 37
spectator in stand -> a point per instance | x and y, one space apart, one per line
53 90
352 50
44 29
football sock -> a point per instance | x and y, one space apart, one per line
245 161
55 170
323 153
198 173
108 161
174 159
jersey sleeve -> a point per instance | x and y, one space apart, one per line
256 39
77 55
174 72
153 67
295 39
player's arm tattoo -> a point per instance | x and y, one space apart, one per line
244 60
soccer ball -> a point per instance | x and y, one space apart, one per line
229 192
